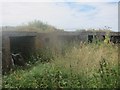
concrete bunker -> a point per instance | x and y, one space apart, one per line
26 42
14 43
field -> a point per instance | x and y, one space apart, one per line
81 65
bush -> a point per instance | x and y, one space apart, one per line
82 66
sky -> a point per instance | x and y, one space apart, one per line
64 14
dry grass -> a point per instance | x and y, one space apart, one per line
87 57
80 66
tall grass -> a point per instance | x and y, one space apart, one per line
75 66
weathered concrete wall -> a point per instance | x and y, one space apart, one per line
41 40
7 49
6 59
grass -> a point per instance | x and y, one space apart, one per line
75 66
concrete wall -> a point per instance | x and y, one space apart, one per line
6 59
41 40
7 49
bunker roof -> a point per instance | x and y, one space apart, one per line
28 33
18 33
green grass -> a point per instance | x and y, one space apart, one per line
75 66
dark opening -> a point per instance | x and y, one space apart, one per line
115 39
23 45
90 38
103 37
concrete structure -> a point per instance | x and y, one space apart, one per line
27 42
14 42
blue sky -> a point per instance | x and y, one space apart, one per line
75 14
82 8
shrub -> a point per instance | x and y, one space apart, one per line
81 66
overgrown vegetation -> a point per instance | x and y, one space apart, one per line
104 29
37 26
33 26
71 65
75 66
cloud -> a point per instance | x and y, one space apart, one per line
60 1
67 15
91 0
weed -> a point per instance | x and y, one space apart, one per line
76 66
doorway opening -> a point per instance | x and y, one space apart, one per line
23 45
90 38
